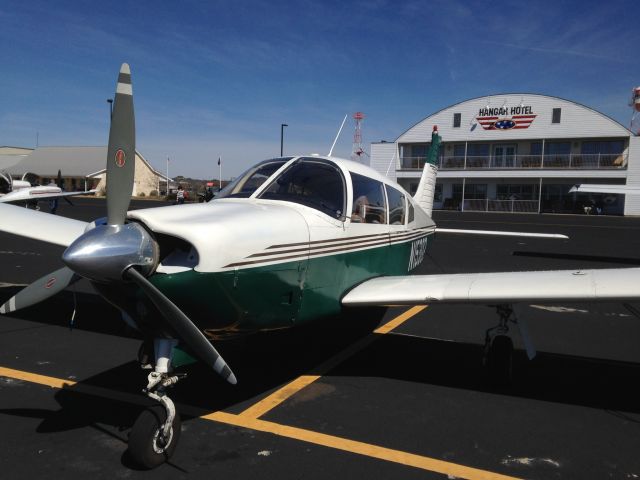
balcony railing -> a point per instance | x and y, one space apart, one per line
513 162
488 205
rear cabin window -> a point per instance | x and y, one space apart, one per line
252 179
369 204
313 182
396 206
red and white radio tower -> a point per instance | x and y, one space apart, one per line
358 150
634 103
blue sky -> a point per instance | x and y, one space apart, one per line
217 78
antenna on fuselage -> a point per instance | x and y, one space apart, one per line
337 136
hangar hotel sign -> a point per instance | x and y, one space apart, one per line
506 118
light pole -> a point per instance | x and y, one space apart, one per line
110 102
282 125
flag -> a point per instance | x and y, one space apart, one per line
218 160
506 123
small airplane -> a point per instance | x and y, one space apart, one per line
293 240
21 191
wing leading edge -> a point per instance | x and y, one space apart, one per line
501 234
616 284
40 226
599 188
38 193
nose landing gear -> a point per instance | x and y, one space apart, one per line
155 433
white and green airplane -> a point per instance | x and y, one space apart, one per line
293 240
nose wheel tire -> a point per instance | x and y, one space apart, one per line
148 446
498 361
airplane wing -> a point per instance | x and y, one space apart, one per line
40 226
595 188
617 284
501 234
27 194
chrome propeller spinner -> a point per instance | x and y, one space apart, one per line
106 252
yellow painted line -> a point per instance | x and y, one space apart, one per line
270 402
81 388
309 436
276 398
35 378
400 319
361 448
279 396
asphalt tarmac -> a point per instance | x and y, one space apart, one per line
405 402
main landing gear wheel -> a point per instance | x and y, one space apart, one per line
148 445
498 361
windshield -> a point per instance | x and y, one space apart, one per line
249 181
311 182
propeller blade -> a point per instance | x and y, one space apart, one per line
40 290
188 332
68 201
121 151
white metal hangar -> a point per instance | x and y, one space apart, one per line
518 152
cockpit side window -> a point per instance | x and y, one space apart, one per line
250 181
369 204
313 182
396 206
5 183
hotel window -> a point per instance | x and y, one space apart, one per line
516 192
556 115
606 153
551 148
457 119
437 196
604 147
478 150
475 191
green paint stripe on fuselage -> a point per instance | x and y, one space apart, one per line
284 294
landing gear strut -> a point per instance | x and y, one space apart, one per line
155 433
498 347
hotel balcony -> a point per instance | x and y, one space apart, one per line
571 161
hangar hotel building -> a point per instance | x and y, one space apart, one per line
518 153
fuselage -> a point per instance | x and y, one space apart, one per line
284 249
